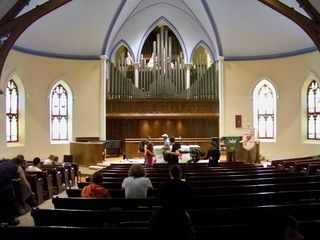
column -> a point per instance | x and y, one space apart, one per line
221 96
103 96
136 74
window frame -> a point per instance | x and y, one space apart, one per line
315 113
10 114
67 116
256 115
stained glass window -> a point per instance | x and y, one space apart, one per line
12 112
264 110
59 113
313 111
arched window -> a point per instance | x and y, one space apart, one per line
60 112
264 108
313 110
12 112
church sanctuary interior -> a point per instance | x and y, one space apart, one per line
83 83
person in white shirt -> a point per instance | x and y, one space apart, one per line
166 140
35 167
136 184
51 160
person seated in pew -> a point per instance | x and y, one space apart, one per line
36 165
136 184
275 225
8 173
10 204
171 223
94 189
25 188
51 160
176 188
23 162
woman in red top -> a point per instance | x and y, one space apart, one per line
95 189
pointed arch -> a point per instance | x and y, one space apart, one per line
60 112
117 46
172 28
204 45
15 110
310 108
264 97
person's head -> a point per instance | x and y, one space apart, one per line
136 171
213 145
150 147
164 136
20 156
22 161
171 223
18 161
175 171
172 139
51 157
36 162
281 226
175 147
55 159
97 178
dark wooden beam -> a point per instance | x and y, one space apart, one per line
310 10
310 26
14 11
11 28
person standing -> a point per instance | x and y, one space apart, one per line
213 155
149 155
166 141
143 145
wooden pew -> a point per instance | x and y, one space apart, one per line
200 217
36 184
309 229
222 182
184 165
56 178
195 172
225 200
214 177
281 162
47 182
209 190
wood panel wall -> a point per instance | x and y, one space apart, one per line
138 118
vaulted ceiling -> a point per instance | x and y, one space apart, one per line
235 29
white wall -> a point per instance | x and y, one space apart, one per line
38 74
288 75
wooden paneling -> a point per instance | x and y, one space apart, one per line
138 118
162 106
87 153
131 144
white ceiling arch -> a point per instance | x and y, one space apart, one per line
237 30
139 25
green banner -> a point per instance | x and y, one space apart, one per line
232 143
